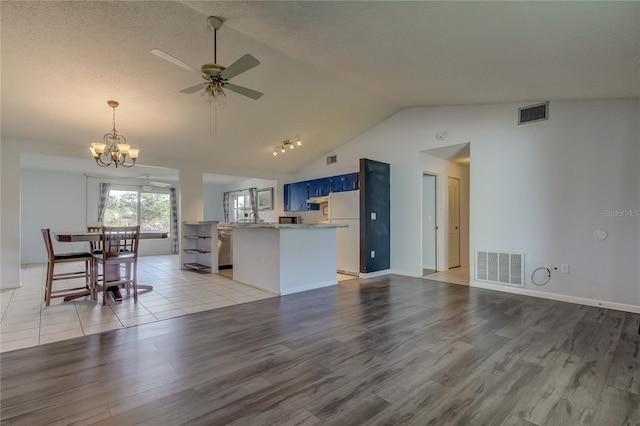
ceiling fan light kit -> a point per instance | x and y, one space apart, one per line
289 143
215 75
114 148
149 185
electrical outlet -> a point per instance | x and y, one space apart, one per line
564 268
373 254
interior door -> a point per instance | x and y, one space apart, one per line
454 222
429 228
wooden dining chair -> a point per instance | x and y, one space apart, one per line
117 263
57 259
96 245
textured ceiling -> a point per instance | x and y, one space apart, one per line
329 71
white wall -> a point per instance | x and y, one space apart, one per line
9 216
541 188
213 198
52 200
212 205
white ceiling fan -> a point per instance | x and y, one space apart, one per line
216 76
148 185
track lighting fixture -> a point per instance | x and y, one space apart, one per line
282 148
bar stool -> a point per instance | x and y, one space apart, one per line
55 259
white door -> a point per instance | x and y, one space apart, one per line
429 229
454 222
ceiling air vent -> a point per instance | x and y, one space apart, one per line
533 113
332 159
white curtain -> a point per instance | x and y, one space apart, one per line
253 200
174 220
102 202
225 206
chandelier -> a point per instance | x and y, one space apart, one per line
282 148
114 148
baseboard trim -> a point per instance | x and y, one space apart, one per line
307 287
366 275
559 297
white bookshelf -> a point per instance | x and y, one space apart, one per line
199 246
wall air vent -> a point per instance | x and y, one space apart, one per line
500 267
533 113
332 159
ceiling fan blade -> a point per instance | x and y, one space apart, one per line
194 89
174 60
253 94
160 184
241 65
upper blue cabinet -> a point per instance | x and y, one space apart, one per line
348 182
320 187
295 197
296 194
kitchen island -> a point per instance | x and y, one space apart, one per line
285 258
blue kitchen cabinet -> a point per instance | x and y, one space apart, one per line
351 181
346 182
320 187
295 197
287 197
296 194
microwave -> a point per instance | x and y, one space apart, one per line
289 219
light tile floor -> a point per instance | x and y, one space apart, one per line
26 321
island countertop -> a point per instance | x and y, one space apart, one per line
239 225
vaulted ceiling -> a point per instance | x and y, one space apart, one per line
329 70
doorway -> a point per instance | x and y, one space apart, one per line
454 222
429 225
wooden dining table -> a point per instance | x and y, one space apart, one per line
84 236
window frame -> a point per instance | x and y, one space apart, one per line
138 190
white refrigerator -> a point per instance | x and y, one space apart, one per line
344 207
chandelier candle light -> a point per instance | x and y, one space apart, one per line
282 148
114 148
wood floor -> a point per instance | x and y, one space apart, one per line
393 351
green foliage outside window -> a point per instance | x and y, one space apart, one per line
152 210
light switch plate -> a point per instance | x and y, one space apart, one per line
373 215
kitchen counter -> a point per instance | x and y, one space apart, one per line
288 225
285 258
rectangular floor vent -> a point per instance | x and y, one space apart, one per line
532 113
500 267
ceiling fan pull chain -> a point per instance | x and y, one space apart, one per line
215 45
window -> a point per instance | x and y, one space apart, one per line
150 210
240 207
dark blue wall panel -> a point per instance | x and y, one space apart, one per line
375 197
